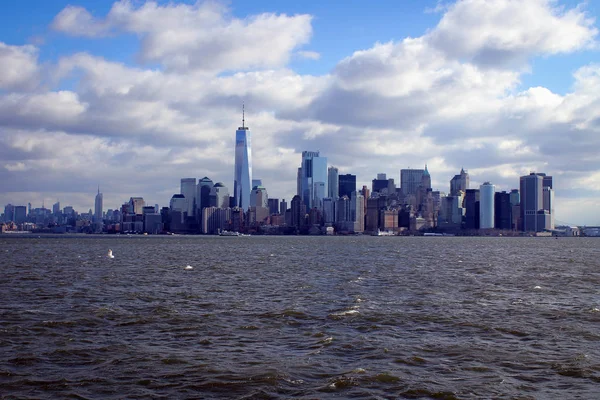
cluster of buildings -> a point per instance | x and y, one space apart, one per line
326 202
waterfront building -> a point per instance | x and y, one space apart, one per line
329 211
486 206
243 166
215 220
97 211
259 197
56 207
9 213
459 183
333 188
203 190
219 196
347 185
298 212
313 179
178 203
410 180
189 190
472 209
20 214
536 202
135 205
273 206
283 207
502 211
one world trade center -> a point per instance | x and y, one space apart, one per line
243 166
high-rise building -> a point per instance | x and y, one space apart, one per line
188 189
471 202
56 208
502 211
135 205
243 166
410 180
333 183
203 195
219 196
347 184
536 214
460 183
298 211
97 208
259 197
383 185
282 207
486 206
313 179
273 206
178 203
20 214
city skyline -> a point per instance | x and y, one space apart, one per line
95 94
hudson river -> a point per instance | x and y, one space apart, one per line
299 317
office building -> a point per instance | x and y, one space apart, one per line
347 185
219 196
459 183
536 202
502 211
486 206
189 190
410 180
243 166
313 180
259 197
203 190
333 183
273 206
471 209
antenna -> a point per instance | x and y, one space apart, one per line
243 116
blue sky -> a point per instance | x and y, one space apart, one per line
501 87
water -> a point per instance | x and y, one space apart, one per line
299 317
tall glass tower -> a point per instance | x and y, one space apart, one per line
243 166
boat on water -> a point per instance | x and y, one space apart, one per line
229 233
383 233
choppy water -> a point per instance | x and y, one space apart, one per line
299 317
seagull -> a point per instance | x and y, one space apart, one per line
110 254
189 267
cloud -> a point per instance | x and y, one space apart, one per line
202 36
77 21
19 67
309 55
507 32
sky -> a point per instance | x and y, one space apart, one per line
133 95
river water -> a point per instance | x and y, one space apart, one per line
299 317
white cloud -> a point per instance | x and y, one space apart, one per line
309 55
499 32
18 66
202 36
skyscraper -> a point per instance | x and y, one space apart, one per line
243 166
460 182
188 190
347 185
486 206
333 183
410 180
312 179
203 195
97 208
536 198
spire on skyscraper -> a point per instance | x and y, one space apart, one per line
243 116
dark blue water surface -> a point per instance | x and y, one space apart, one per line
299 317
